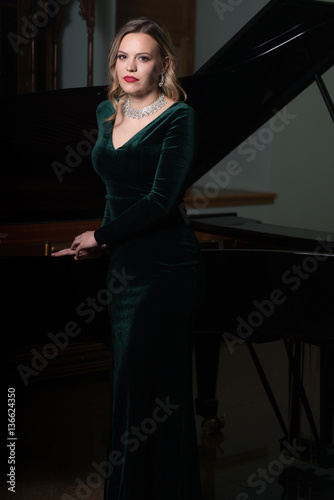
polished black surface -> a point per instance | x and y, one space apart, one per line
260 235
48 175
266 294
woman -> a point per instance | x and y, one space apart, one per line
144 153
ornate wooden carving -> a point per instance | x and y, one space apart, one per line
26 47
29 48
33 44
87 12
52 46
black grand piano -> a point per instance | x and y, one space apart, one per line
284 276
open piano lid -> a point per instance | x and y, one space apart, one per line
281 51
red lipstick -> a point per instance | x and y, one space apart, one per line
130 79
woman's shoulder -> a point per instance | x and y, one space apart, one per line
181 106
183 109
105 106
104 109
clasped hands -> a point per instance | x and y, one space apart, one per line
84 247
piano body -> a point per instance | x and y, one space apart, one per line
50 193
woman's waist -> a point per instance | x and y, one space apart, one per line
171 230
166 249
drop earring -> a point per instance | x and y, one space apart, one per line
162 80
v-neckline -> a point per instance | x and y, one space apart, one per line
139 131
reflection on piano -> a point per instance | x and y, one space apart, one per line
280 279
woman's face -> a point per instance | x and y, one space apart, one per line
139 64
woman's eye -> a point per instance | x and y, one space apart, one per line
121 56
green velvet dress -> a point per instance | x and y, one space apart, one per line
155 278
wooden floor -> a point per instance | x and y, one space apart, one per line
61 433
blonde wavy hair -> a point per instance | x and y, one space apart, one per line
171 88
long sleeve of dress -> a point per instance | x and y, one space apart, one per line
106 215
176 159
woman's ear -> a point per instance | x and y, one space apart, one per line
166 62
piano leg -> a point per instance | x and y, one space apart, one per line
207 348
294 353
297 392
321 449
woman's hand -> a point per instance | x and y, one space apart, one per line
83 247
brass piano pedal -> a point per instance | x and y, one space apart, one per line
213 425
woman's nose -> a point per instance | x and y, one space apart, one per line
131 66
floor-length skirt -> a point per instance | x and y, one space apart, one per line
156 286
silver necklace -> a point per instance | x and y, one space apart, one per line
148 110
